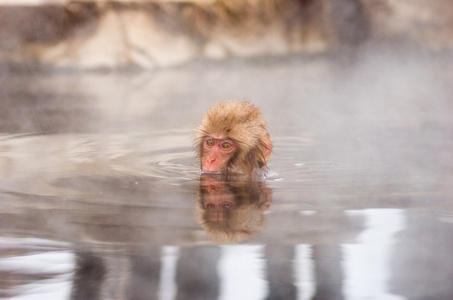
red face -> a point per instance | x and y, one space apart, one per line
216 154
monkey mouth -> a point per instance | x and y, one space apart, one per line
214 171
209 172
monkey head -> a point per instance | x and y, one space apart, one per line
233 137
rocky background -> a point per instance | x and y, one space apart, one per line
155 34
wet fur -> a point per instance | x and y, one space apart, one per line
242 123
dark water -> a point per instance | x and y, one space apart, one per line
101 195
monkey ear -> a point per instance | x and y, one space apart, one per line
266 147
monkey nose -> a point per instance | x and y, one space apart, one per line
210 164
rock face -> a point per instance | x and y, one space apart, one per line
150 34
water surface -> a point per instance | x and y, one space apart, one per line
101 195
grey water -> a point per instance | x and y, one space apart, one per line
101 195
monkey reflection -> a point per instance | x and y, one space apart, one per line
232 211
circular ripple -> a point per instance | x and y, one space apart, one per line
180 163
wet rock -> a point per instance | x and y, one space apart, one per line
153 34
157 34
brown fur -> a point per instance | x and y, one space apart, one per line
241 122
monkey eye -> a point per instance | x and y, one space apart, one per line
227 146
210 142
227 206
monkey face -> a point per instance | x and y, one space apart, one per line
216 154
232 138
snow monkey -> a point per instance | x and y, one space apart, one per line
233 138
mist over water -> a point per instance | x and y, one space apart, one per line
98 172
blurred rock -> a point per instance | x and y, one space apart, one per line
150 34
426 23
